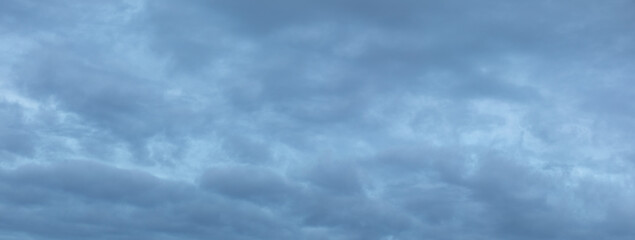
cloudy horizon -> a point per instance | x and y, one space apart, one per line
301 119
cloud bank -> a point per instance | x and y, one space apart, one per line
234 119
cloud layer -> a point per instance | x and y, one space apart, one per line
233 119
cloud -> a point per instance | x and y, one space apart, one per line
249 183
87 199
316 120
15 137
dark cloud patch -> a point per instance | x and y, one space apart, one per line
118 103
73 200
247 150
189 32
15 136
31 16
95 181
438 163
120 97
362 219
255 184
264 18
507 188
335 177
277 71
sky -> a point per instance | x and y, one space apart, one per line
317 119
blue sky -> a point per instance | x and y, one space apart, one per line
299 119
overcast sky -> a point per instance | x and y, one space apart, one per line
317 119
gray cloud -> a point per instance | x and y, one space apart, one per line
316 120
15 137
